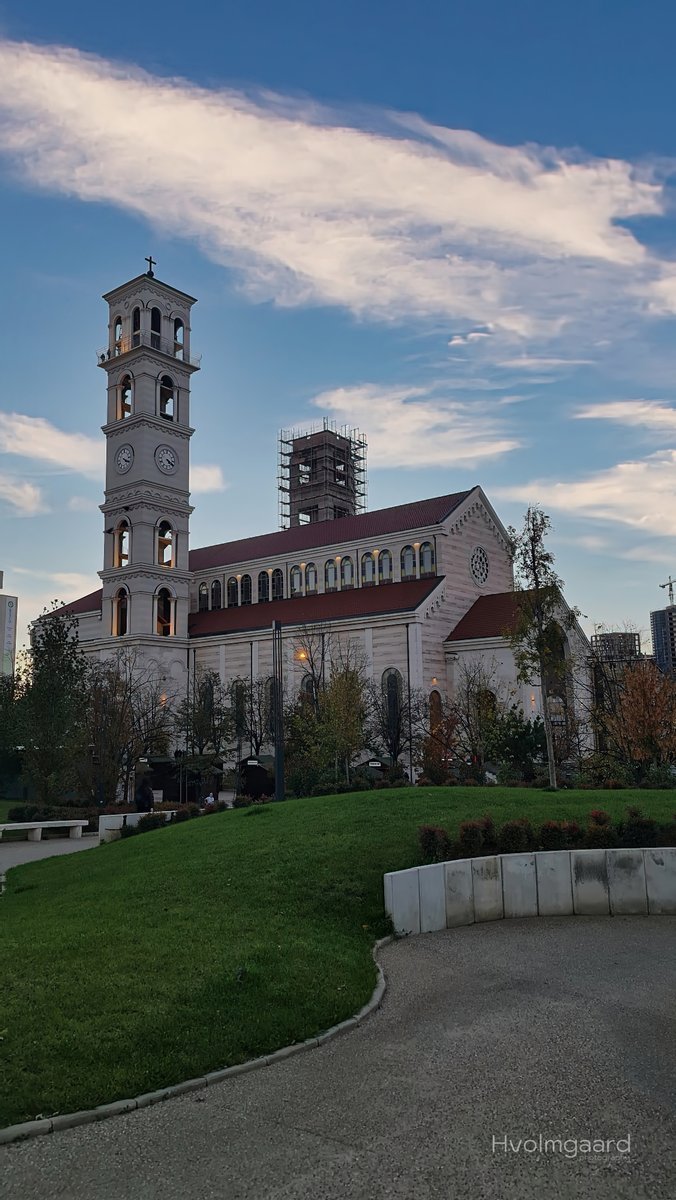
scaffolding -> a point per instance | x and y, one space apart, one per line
321 474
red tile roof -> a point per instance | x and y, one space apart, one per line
86 604
306 610
489 616
300 538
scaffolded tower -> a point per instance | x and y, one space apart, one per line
322 474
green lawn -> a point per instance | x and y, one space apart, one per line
140 963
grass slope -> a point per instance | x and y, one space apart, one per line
143 962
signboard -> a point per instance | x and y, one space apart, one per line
375 763
8 614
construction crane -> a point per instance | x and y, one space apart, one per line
669 584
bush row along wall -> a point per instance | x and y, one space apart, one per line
545 883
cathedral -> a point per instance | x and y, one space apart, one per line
420 587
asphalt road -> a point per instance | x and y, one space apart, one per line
565 1028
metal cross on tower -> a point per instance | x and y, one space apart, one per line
669 584
151 263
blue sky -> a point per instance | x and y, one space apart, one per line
451 224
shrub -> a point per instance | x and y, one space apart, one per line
181 814
553 835
242 801
435 844
600 770
638 830
471 838
151 821
598 816
490 833
667 833
515 837
659 776
600 837
575 834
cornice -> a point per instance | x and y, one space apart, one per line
147 421
471 510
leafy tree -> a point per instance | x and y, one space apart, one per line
435 736
51 687
343 706
642 729
542 619
252 708
9 737
392 717
518 741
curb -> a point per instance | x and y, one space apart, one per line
30 1129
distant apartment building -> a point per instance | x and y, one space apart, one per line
663 628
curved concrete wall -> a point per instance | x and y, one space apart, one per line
553 883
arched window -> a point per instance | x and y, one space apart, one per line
179 338
245 588
296 578
277 584
385 566
347 573
368 570
435 712
165 613
393 690
427 563
408 563
117 336
165 545
124 394
263 587
330 576
167 398
307 689
121 544
136 327
155 328
216 594
120 613
310 579
233 597
203 597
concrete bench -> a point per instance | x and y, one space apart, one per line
35 828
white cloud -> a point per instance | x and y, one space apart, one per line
465 339
640 494
529 362
646 414
82 504
38 439
25 498
401 220
413 427
72 583
207 478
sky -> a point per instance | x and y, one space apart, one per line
450 224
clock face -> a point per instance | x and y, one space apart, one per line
166 459
124 458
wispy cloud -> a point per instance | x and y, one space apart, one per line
530 362
207 479
402 219
37 439
415 427
640 494
25 499
646 414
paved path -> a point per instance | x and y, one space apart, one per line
510 1029
13 854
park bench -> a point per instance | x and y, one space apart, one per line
35 828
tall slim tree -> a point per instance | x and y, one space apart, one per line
542 620
51 685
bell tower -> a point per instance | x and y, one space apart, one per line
148 363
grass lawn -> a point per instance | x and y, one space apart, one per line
143 962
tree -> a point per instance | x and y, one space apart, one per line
9 758
129 717
642 727
542 619
52 695
252 700
343 704
395 718
205 724
314 649
518 742
478 703
435 735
